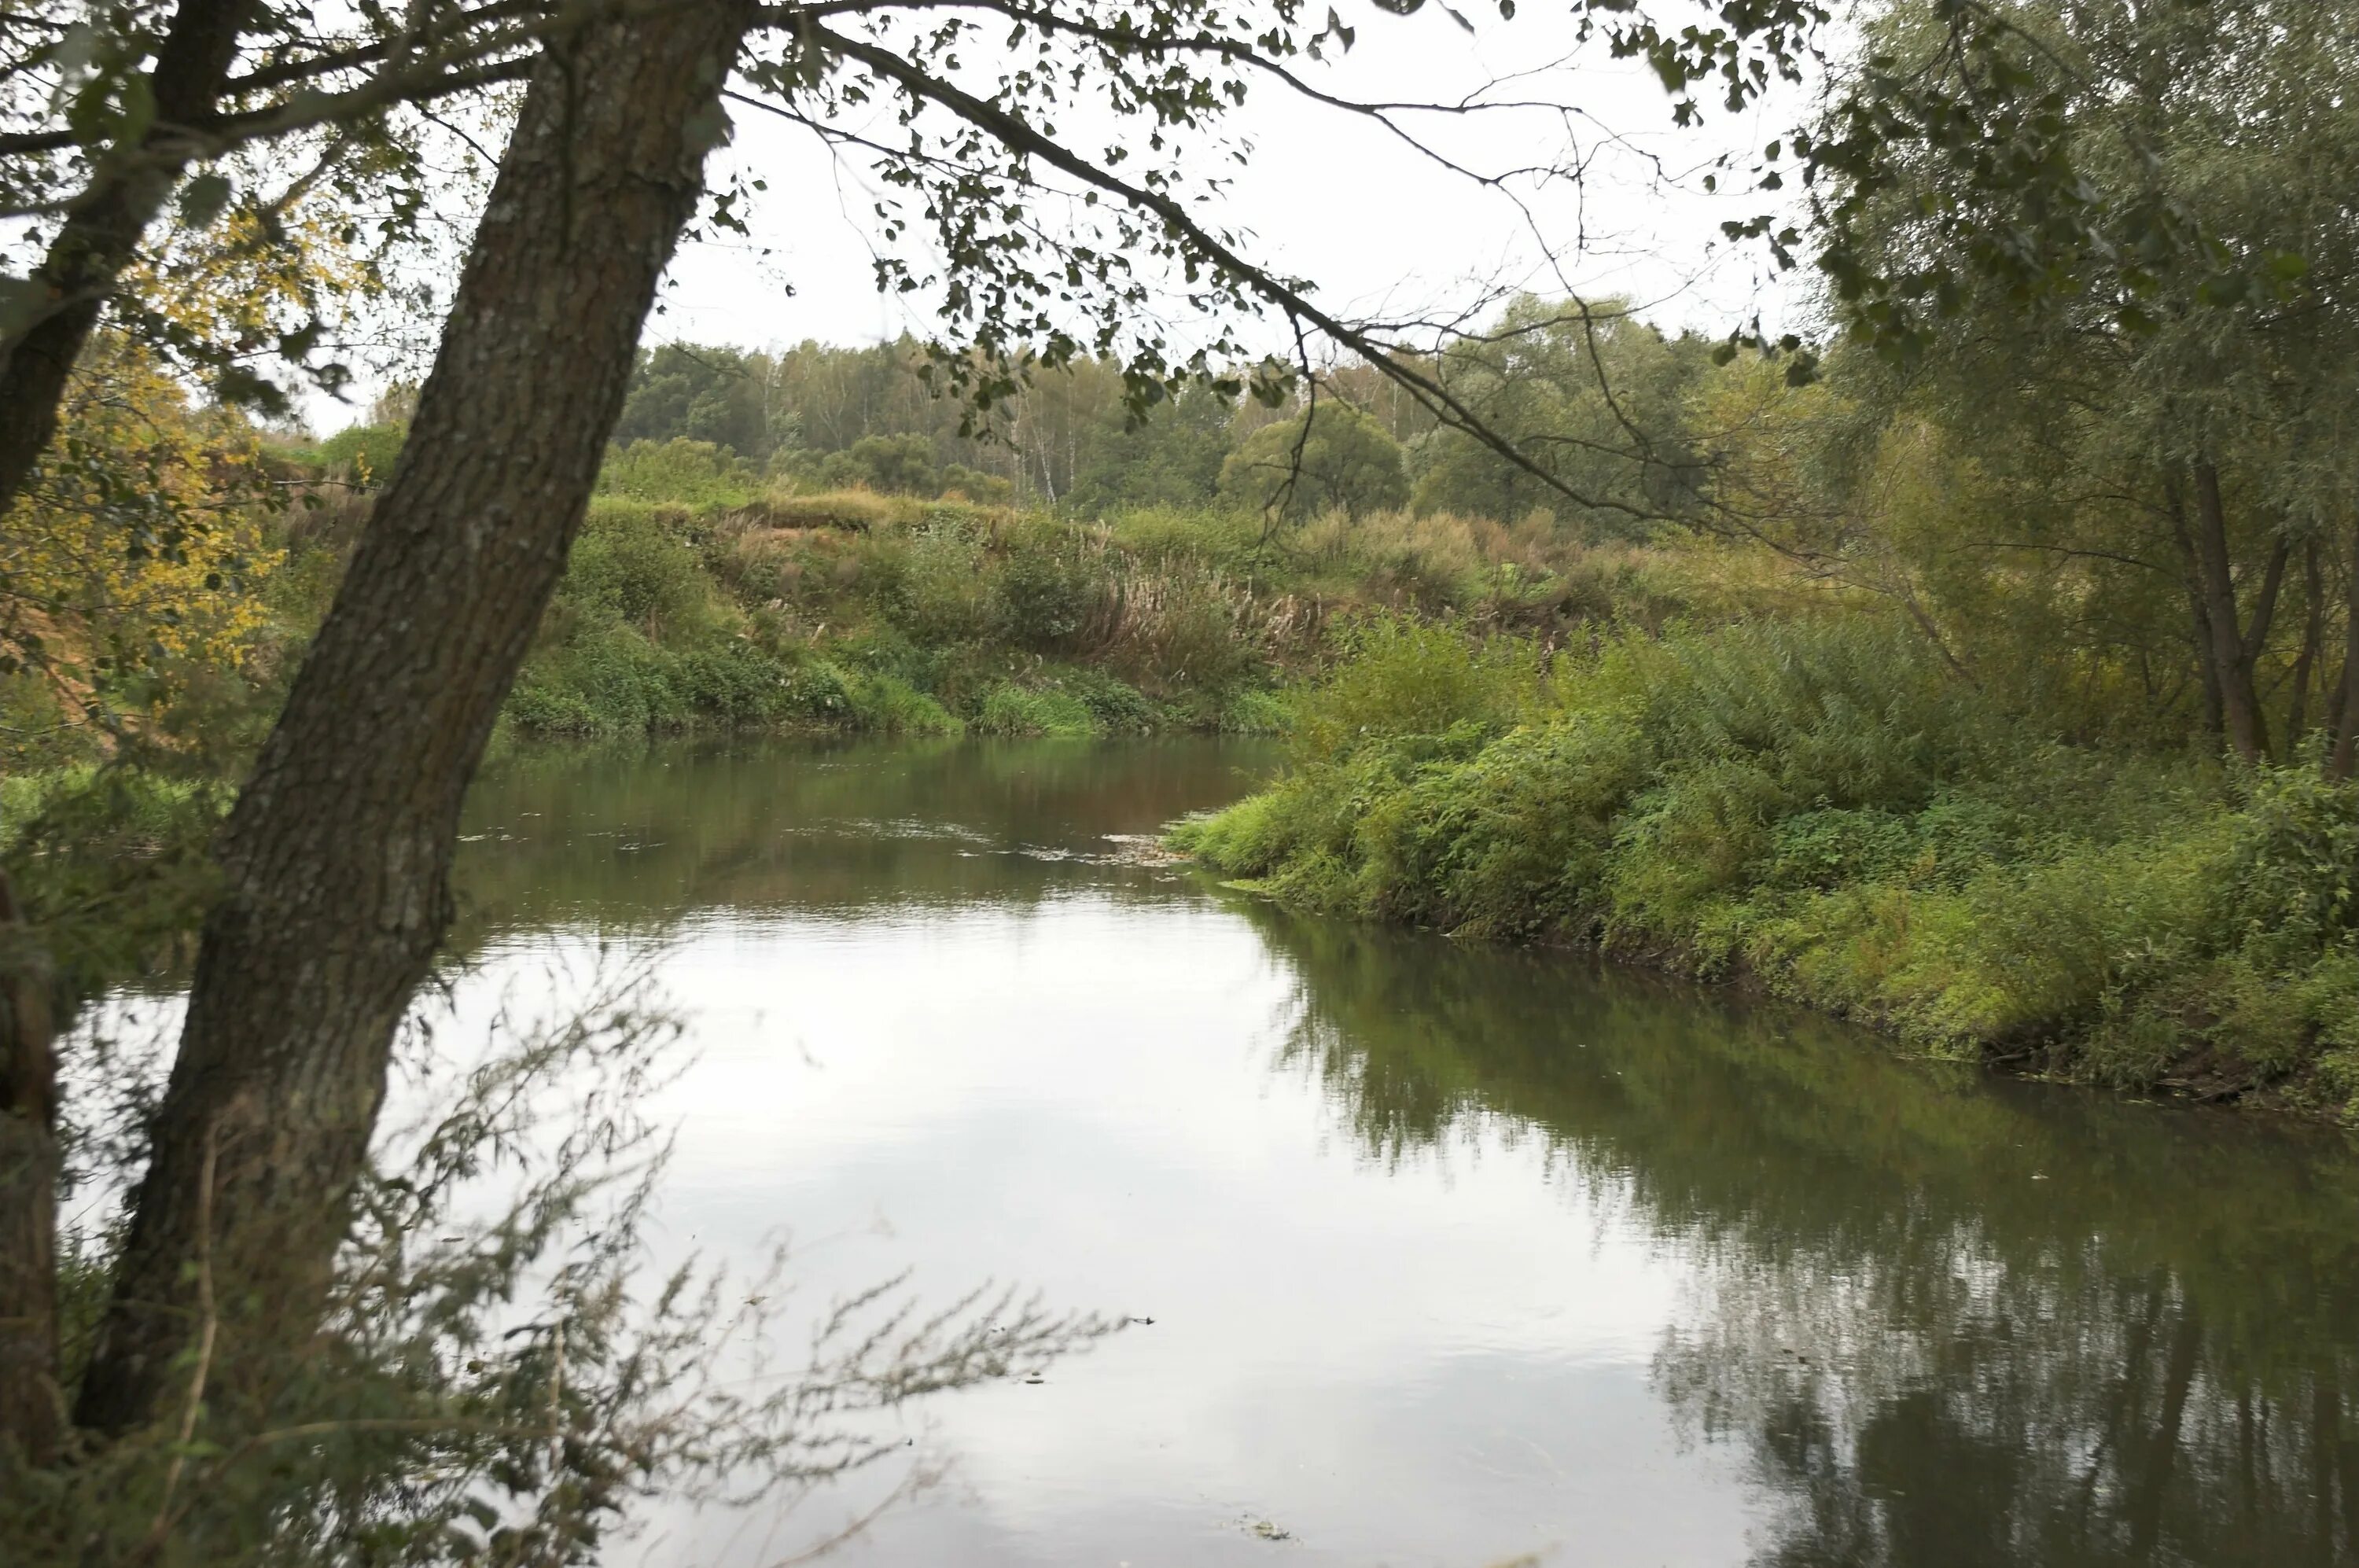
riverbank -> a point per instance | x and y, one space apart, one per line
864 612
1819 810
697 599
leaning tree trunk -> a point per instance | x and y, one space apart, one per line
337 855
31 1409
102 231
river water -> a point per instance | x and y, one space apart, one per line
1453 1256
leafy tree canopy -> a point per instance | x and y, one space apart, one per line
1330 456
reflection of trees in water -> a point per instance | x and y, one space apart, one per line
1998 1415
1955 1322
638 834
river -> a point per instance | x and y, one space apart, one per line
1453 1256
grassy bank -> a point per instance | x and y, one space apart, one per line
861 612
1819 807
692 601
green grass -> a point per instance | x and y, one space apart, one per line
697 597
1820 807
694 601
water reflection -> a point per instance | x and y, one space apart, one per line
1953 1321
1454 1254
630 835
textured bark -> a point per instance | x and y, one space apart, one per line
101 232
2199 617
2345 757
31 1411
337 855
2214 723
2233 651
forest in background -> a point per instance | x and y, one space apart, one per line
1980 663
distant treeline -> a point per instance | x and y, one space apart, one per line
1595 399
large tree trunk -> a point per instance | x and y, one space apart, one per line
101 231
337 855
31 1409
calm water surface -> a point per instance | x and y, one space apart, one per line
1453 1256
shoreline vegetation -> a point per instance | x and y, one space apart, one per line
1817 808
1959 634
1984 797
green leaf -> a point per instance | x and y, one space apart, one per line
2286 266
138 111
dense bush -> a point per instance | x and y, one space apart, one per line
1825 808
855 610
364 455
898 465
680 471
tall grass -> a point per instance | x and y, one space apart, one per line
1820 806
853 610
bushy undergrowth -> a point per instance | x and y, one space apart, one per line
692 601
1821 806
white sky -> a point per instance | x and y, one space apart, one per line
1324 195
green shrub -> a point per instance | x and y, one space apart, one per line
1822 805
974 484
1043 589
687 472
1118 707
364 455
631 563
939 591
888 705
895 465
1011 710
1256 710
1401 676
611 684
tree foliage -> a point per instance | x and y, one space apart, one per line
1595 397
123 570
1330 456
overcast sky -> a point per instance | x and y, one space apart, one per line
1323 194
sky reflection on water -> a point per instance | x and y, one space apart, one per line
1451 1256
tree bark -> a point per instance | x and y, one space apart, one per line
31 1406
2347 730
337 854
2207 660
2233 651
101 233
2314 640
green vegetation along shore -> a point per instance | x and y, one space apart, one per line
1820 807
